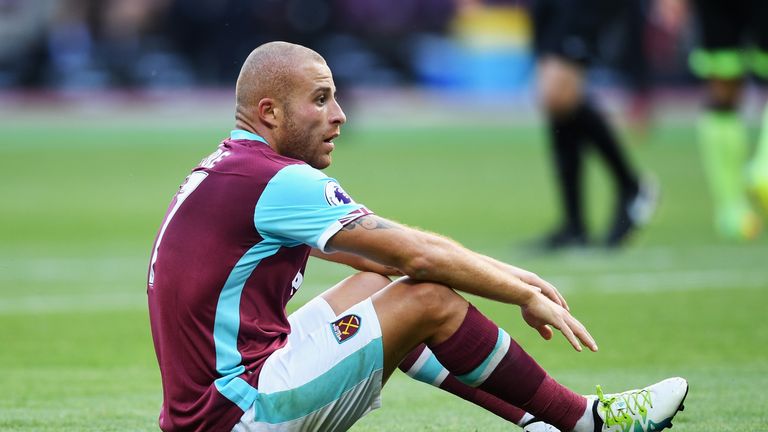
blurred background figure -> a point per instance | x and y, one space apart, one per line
566 37
23 29
733 44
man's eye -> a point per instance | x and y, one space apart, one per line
321 100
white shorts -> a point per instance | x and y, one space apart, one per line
328 375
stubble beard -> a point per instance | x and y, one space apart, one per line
297 144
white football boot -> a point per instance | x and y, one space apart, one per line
646 410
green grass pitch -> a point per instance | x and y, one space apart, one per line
81 202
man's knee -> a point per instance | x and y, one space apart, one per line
411 312
560 86
363 282
371 279
438 303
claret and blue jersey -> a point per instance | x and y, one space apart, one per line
228 257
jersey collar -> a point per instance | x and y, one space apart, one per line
239 134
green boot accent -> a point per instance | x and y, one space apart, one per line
723 141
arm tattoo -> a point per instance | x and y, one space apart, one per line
369 223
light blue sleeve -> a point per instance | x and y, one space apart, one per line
302 205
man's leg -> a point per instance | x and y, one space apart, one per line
723 141
574 122
482 355
472 348
758 167
723 61
635 200
560 86
420 363
327 376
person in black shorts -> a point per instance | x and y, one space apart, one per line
566 34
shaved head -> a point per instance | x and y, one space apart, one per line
270 72
286 94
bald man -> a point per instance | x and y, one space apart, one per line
231 252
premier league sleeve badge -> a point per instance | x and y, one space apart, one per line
335 195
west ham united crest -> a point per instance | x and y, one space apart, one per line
345 327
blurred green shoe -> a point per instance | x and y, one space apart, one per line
738 222
758 186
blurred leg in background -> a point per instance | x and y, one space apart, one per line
565 37
757 175
758 168
724 62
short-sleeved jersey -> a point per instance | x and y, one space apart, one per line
230 253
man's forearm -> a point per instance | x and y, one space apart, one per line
447 262
429 257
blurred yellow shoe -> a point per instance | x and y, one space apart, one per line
758 186
738 223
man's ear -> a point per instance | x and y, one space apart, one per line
269 112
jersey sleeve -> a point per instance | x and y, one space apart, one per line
302 205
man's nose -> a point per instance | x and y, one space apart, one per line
338 116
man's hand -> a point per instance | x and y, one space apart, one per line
541 313
545 287
531 279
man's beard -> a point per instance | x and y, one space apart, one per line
297 143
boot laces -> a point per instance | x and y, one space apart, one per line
619 408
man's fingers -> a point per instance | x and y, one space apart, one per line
562 303
561 299
576 334
570 327
545 331
568 333
550 291
558 298
583 334
565 303
552 295
542 286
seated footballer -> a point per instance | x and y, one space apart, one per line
232 250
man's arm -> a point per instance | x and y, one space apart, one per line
357 262
430 257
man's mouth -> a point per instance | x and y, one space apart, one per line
330 138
